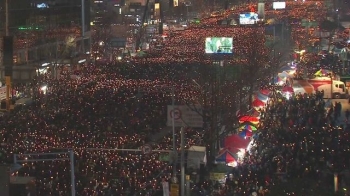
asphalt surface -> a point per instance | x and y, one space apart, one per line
345 106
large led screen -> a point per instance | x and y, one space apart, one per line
219 45
248 18
279 5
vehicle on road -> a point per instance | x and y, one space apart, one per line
331 88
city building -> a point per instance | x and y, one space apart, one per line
47 31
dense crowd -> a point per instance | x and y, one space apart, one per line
298 138
124 107
101 109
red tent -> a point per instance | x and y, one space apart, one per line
254 113
225 156
288 89
258 103
235 142
248 119
265 91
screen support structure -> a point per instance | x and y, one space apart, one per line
7 78
216 83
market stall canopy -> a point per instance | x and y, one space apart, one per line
258 103
245 133
247 118
225 156
284 75
287 89
265 91
278 80
262 97
253 112
236 142
248 127
286 68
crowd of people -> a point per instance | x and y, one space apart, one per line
109 106
105 106
101 109
298 138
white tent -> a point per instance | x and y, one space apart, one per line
196 156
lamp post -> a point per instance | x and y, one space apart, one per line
70 158
173 130
182 162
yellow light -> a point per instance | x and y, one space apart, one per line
156 6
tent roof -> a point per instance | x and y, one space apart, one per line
235 142
225 156
197 148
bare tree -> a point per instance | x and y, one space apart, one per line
254 59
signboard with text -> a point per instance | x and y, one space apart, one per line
184 115
174 190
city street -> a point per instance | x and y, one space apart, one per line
345 106
117 81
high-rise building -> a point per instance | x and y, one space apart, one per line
42 28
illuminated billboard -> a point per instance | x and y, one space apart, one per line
176 3
248 18
279 5
157 11
42 5
219 45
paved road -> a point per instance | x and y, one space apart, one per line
345 106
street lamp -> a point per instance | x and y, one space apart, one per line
71 159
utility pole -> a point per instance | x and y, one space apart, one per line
173 130
182 163
8 76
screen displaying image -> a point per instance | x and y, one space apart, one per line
279 5
248 18
219 45
42 5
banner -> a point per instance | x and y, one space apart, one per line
174 189
217 176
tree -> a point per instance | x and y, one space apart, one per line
224 84
329 26
254 60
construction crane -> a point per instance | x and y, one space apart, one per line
139 33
